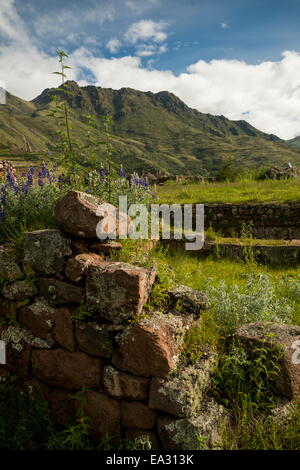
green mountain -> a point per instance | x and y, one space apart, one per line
294 143
152 131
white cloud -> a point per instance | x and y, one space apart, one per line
269 92
67 20
145 50
266 94
11 25
224 25
146 30
113 45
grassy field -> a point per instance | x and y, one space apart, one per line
248 191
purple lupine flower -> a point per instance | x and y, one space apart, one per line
102 173
24 174
10 178
3 199
2 214
25 188
51 178
29 179
41 182
122 173
44 171
135 180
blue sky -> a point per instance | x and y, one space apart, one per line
240 58
248 30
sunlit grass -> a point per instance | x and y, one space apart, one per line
248 191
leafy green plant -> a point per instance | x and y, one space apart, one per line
205 336
246 378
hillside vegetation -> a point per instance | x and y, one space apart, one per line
153 132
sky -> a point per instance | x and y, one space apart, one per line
237 58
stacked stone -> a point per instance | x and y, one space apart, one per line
270 220
128 362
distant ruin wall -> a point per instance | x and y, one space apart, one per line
270 221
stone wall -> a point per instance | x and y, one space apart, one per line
270 221
74 320
128 358
284 255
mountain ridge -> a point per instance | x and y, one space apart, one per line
153 131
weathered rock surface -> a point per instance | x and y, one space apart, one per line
76 214
59 292
137 415
44 250
189 300
9 267
199 432
64 330
64 369
94 339
19 290
183 394
277 337
118 291
121 385
19 342
38 318
104 413
18 350
77 266
150 347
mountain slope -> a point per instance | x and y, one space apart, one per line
153 131
294 143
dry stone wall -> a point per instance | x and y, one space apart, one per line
128 361
270 221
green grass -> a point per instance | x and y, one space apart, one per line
248 191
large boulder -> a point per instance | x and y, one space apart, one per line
182 395
151 346
283 343
44 251
76 214
68 370
118 291
86 216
